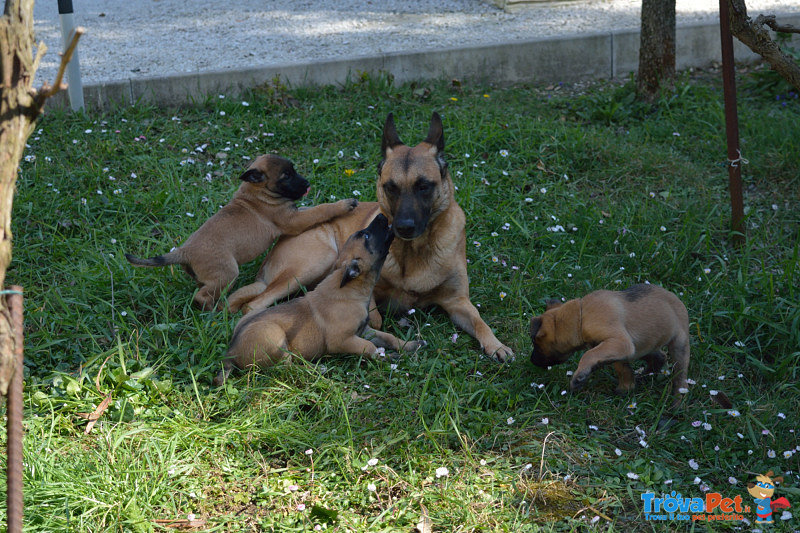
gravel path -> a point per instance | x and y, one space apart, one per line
153 38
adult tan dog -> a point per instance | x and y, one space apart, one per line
427 263
618 327
330 319
261 210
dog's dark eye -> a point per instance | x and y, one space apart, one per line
423 185
391 188
366 236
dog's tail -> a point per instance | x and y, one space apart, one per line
175 257
244 294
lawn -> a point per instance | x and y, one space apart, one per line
567 189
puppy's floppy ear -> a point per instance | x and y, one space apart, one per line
552 304
750 485
390 138
351 272
777 480
253 176
536 323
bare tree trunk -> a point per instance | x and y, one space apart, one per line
656 48
20 106
756 37
17 115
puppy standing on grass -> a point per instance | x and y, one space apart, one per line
262 209
618 327
333 318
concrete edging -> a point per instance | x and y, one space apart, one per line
568 59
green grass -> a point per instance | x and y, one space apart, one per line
641 194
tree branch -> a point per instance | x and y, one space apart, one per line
40 51
48 91
770 21
755 37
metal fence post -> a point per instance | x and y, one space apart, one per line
75 86
14 406
735 159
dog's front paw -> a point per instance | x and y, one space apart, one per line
413 346
579 380
348 204
502 353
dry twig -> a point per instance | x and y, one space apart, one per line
770 21
94 416
47 91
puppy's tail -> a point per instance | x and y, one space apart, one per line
244 295
175 257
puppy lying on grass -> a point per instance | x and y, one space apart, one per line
617 327
262 209
333 318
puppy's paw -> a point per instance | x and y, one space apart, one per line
413 346
347 204
502 354
578 381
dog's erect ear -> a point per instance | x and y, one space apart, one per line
436 132
552 304
390 138
536 323
351 272
253 176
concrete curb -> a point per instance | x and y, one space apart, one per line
568 59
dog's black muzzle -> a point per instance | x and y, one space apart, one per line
538 359
380 236
411 219
294 188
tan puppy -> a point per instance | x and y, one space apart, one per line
301 261
427 263
617 327
262 209
332 318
